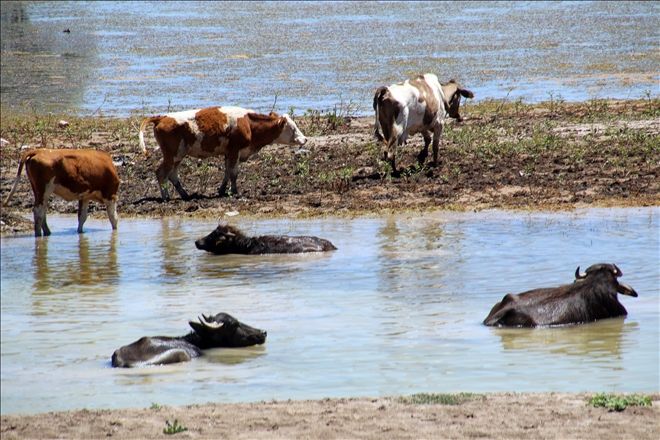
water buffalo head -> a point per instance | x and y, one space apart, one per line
607 273
224 239
223 330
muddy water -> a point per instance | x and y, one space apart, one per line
123 57
397 309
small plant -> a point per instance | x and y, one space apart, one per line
438 398
173 428
155 406
614 402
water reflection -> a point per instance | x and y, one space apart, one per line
411 252
594 340
172 246
97 268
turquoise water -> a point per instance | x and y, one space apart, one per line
124 57
397 309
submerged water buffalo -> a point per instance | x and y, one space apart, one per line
221 330
592 296
227 239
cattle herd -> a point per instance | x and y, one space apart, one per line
418 105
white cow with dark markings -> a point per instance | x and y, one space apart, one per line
418 105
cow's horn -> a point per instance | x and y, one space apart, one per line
578 275
212 325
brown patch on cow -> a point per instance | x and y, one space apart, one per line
168 133
213 124
426 96
388 110
264 128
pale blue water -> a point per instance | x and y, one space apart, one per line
397 309
124 57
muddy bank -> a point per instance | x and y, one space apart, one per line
510 155
502 415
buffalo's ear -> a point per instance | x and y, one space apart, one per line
466 93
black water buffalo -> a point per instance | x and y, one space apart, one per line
221 330
590 297
227 239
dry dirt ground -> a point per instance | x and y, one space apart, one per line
505 155
496 416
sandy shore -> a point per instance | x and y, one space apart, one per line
501 415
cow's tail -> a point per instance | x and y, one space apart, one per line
24 157
143 125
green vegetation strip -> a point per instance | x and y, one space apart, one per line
614 402
438 399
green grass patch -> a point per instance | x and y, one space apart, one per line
173 428
438 398
618 402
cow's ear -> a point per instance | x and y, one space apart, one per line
282 122
466 93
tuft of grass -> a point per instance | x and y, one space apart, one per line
438 398
155 406
173 428
617 402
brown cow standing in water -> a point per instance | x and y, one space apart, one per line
81 175
592 296
233 132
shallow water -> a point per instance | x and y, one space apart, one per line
123 57
396 309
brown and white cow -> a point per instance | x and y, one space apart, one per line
82 175
233 132
418 105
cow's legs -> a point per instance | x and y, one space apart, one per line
39 211
437 133
111 209
231 173
174 178
162 173
83 205
421 157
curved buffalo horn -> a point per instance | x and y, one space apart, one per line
578 275
211 325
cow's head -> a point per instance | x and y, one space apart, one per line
224 239
223 330
452 100
607 273
291 134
